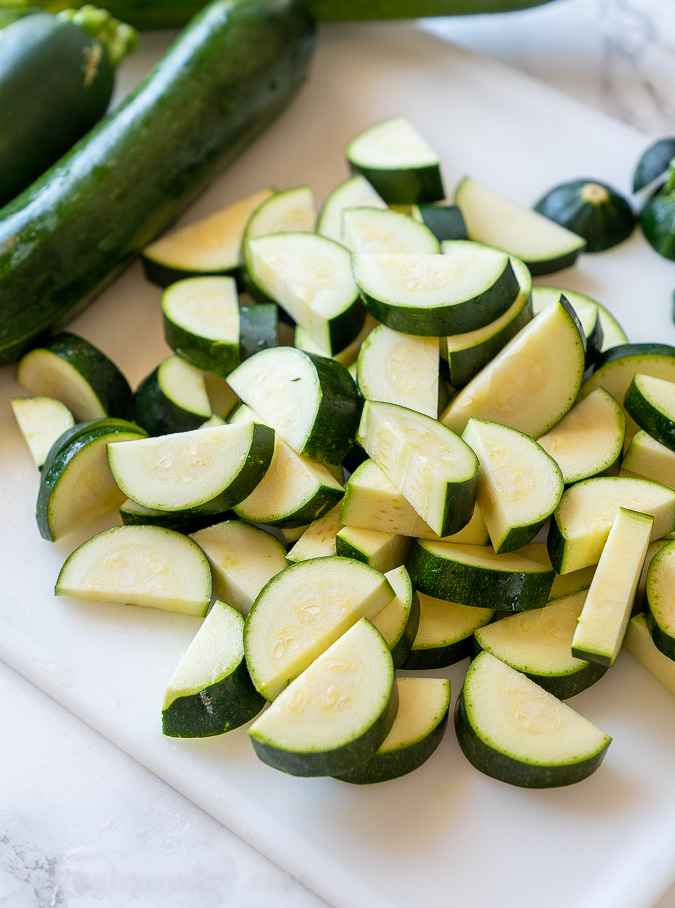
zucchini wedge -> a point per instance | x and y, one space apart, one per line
172 398
639 643
399 619
354 192
649 459
41 421
445 633
660 610
318 539
604 330
375 231
384 551
651 403
511 729
592 210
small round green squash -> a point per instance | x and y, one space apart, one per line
591 209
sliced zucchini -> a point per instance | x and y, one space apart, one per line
318 539
210 246
243 559
311 279
304 609
186 522
586 310
519 484
384 551
434 295
74 371
354 192
41 421
293 492
660 611
201 322
144 565
399 619
76 485
588 440
509 728
418 729
475 575
639 643
445 221
445 633
591 209
336 714
210 691
563 584
346 356
651 403
398 161
172 398
582 521
258 328
653 164
206 468
532 382
469 352
607 609
657 219
399 369
374 231
641 594
491 218
649 459
311 401
434 469
538 643
222 399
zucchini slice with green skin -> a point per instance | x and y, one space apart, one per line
318 539
384 551
144 565
475 575
639 643
258 329
210 246
185 522
433 468
582 521
41 420
201 322
444 221
210 691
657 219
74 371
399 619
172 398
374 231
509 728
649 459
563 584
347 356
587 311
493 219
592 210
651 403
436 295
538 644
354 192
418 729
336 714
519 484
76 485
147 161
222 399
398 161
302 611
588 440
400 369
532 382
243 559
660 610
311 401
469 352
445 633
205 470
607 609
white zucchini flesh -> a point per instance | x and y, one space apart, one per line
41 421
210 244
519 484
400 369
391 621
354 192
304 609
45 374
422 702
184 385
589 438
384 551
393 144
243 559
348 355
586 309
205 306
377 230
318 539
289 211
429 465
648 458
660 590
443 622
659 395
524 386
607 609
182 470
139 565
497 221
638 641
612 332
334 702
222 399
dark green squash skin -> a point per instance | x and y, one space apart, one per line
70 233
657 220
602 224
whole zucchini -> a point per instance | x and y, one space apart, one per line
221 82
56 81
149 14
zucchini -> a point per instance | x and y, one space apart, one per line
318 539
445 633
41 420
615 368
651 403
354 192
384 551
660 610
185 522
657 217
590 209
380 230
511 729
443 220
57 75
399 619
639 643
601 333
649 459
172 398
142 165
653 164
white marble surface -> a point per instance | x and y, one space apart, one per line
81 823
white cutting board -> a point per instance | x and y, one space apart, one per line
445 834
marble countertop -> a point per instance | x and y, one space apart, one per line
85 825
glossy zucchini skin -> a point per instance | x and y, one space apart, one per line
594 210
223 80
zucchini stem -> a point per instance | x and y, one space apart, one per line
117 38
